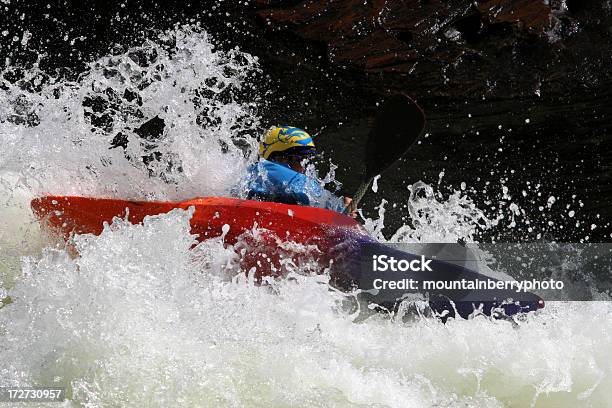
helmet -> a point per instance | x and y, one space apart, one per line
286 140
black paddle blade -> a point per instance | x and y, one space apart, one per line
398 125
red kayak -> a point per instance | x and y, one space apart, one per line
336 243
328 230
69 215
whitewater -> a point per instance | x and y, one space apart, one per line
146 316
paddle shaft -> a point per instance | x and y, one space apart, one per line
361 191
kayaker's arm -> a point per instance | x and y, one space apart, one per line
347 203
271 181
311 193
308 191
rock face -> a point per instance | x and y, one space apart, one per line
458 48
395 35
517 92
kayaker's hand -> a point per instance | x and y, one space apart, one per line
347 202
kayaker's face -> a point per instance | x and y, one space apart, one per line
296 163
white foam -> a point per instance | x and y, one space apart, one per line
142 317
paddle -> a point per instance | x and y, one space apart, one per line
397 126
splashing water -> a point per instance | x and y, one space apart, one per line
433 218
141 317
87 130
85 137
144 318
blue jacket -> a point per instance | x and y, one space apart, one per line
277 182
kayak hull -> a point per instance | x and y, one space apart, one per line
339 241
69 215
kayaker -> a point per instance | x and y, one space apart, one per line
279 174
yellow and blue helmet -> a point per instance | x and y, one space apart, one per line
282 140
